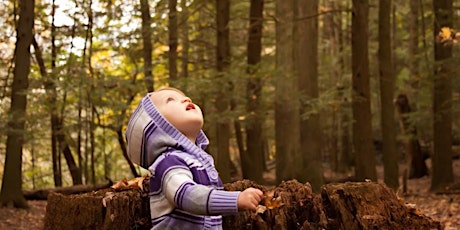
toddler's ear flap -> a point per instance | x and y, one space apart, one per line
135 136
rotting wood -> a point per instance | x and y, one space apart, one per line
291 205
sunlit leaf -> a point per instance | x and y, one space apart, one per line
270 201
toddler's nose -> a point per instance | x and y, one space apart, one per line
187 99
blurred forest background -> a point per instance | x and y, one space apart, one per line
300 86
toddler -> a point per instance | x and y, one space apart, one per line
165 136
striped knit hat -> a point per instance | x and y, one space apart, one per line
149 134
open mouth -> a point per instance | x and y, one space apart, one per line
190 106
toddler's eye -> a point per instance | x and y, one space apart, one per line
169 99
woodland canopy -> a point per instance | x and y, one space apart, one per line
299 86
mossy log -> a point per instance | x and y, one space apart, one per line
351 205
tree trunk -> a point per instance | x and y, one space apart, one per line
442 100
224 89
11 193
361 104
147 41
172 34
50 87
74 170
414 47
345 159
122 143
414 157
307 69
343 155
253 164
291 205
185 42
58 137
387 87
287 115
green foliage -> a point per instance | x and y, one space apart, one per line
104 75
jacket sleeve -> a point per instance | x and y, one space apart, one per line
181 190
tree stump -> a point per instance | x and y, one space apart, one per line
102 209
367 205
291 205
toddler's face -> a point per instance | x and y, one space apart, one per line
179 110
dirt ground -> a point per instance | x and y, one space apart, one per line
442 207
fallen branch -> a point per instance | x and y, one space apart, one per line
42 194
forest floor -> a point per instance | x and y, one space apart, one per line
441 207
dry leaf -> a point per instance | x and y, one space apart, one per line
416 212
135 183
447 35
271 202
411 206
261 209
120 185
108 196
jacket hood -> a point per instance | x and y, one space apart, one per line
149 134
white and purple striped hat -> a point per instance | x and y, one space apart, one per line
149 134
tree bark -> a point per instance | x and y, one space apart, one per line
185 42
362 126
122 143
172 34
254 160
50 87
413 46
147 41
387 88
287 115
307 69
224 89
442 100
11 193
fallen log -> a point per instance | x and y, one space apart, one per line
291 205
42 194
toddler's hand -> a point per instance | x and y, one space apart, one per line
249 199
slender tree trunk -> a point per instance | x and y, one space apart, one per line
51 92
343 128
172 33
287 115
50 87
362 126
90 142
122 143
442 102
254 165
92 129
75 172
413 46
224 89
58 138
334 71
147 41
387 87
11 194
307 69
185 42
83 159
